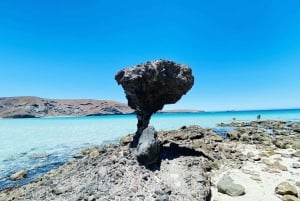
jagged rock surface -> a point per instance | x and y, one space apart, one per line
113 173
148 87
28 106
189 157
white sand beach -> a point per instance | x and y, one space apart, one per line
258 176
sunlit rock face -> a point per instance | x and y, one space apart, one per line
148 87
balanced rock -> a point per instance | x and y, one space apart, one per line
148 149
226 186
148 87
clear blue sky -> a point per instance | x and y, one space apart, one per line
244 54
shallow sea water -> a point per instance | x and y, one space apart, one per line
39 145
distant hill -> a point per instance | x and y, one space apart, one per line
29 107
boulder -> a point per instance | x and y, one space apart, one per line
148 148
281 143
295 126
18 175
126 140
296 144
245 137
226 186
289 198
233 135
148 87
286 188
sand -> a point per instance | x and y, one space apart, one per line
259 180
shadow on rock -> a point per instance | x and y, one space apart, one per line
172 152
149 86
175 151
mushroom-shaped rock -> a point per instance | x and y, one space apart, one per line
148 87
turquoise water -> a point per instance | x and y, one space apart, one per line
41 144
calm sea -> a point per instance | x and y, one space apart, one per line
39 145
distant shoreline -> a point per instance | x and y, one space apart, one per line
36 107
254 110
160 112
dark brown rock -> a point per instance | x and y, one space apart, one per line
116 175
148 87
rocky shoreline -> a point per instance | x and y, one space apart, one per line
257 160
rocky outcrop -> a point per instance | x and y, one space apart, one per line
148 87
265 124
148 148
281 134
113 173
189 160
30 107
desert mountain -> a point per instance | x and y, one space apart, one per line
29 106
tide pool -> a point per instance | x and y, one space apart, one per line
38 145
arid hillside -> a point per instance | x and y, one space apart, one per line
28 106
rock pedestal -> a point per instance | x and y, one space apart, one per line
148 87
148 149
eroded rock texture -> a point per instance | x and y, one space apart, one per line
148 87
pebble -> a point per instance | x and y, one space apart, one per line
256 158
256 178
